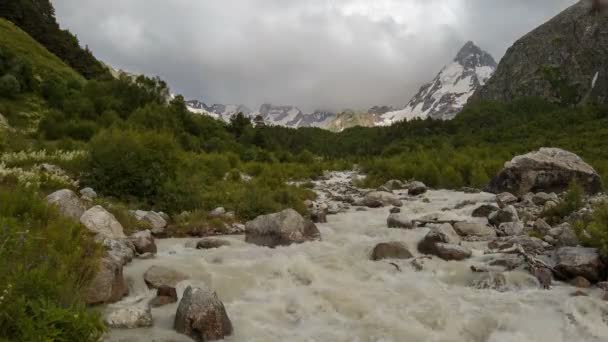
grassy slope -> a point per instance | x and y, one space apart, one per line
44 63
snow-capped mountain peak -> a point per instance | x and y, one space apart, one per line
446 95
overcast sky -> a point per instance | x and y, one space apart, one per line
327 54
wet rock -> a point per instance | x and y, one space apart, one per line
103 223
130 318
88 193
155 221
202 316
580 282
143 242
579 261
507 261
391 250
68 203
121 250
474 229
395 210
443 242
530 244
281 229
506 198
449 252
544 277
157 276
579 293
511 228
484 210
146 256
399 221
542 197
210 243
318 215
108 284
377 199
491 281
416 188
164 295
546 170
506 214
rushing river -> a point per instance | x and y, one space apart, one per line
331 291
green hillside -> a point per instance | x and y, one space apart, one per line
44 63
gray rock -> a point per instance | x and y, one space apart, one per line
579 261
416 188
103 223
157 276
68 203
156 222
391 250
281 229
143 242
474 229
377 199
121 250
443 241
139 316
511 228
88 193
399 221
108 284
164 295
394 185
449 252
530 244
568 236
542 197
211 243
506 198
484 210
202 316
395 210
506 214
546 170
217 212
542 226
491 281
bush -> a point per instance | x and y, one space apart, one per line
47 262
572 201
128 163
594 232
9 86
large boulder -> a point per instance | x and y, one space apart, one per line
578 261
121 250
444 242
377 199
157 276
108 285
474 229
484 210
281 229
103 223
506 214
416 188
202 316
546 170
397 220
155 221
143 242
68 203
391 250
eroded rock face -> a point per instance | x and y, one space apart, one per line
108 285
391 250
103 223
546 170
202 316
281 229
157 276
578 261
377 199
68 203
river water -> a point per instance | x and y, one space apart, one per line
331 291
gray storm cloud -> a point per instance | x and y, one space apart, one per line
327 54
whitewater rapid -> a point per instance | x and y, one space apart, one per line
331 291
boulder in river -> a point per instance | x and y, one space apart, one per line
103 223
506 214
138 316
108 284
546 170
211 243
399 221
443 241
377 199
164 295
578 261
202 316
121 250
68 203
281 229
157 276
484 210
511 228
416 188
391 250
143 242
474 229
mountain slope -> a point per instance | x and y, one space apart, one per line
563 61
43 62
447 94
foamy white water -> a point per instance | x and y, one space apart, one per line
331 291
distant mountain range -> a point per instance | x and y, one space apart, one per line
441 99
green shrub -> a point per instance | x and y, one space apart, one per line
47 262
593 232
9 86
572 201
128 163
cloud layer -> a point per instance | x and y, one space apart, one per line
326 54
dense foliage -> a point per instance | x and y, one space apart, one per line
37 18
47 261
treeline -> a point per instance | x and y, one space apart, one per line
37 18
